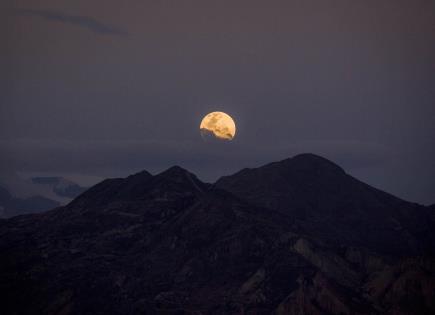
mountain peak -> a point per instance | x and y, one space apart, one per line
317 192
310 161
174 171
180 175
142 174
311 157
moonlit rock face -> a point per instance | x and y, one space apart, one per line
218 124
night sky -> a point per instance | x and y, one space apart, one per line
106 88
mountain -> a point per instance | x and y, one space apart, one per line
291 237
12 206
60 186
318 194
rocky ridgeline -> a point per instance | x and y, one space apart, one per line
298 236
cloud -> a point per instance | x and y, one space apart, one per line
77 20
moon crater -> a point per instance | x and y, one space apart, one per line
218 124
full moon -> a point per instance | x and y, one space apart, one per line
218 124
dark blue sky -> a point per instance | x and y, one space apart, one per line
106 88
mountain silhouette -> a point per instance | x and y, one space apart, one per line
318 194
299 236
11 206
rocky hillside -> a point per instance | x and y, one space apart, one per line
298 236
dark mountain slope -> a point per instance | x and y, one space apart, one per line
170 244
329 204
141 186
202 253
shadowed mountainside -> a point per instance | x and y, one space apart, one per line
318 194
298 236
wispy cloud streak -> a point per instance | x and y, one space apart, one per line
77 20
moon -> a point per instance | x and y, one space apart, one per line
218 124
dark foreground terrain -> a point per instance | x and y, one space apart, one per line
298 236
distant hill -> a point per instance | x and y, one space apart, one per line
60 186
12 206
299 236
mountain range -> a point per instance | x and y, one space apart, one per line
298 236
40 194
11 206
60 186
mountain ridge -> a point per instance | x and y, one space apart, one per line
318 192
169 243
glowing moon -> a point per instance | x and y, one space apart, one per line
218 124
